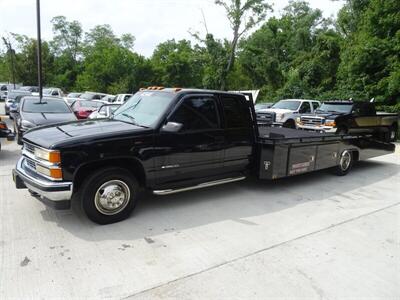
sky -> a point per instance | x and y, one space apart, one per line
150 21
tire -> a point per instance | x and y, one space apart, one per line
391 135
346 161
19 137
342 130
122 190
289 124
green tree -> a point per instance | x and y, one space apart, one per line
243 15
177 64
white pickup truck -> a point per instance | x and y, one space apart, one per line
285 112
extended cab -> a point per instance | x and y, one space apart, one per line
348 117
168 141
285 112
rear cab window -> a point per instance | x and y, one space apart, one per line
236 112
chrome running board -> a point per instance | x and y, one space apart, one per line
199 186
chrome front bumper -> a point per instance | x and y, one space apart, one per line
326 129
55 194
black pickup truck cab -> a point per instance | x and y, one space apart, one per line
347 117
168 141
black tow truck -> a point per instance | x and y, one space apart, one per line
169 141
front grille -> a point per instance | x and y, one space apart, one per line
266 118
312 120
29 148
30 164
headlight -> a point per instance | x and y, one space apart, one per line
330 123
48 155
279 117
26 124
298 120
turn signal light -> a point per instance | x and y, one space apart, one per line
54 157
3 126
56 173
332 124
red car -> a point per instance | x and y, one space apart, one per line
83 108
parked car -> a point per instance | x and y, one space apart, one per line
121 98
345 117
261 106
92 96
31 113
83 108
54 92
169 141
5 88
11 97
108 98
285 112
30 88
105 111
72 97
14 106
5 132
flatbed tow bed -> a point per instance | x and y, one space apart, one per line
287 152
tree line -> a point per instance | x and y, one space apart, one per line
299 54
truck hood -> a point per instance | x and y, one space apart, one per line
48 118
79 131
275 110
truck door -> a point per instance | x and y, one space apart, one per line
239 135
196 150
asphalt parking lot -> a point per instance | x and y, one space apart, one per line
315 236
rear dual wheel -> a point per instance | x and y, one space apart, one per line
346 161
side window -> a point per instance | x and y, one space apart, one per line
96 97
197 114
305 108
54 93
315 105
3 88
236 112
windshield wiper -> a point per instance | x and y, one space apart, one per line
133 120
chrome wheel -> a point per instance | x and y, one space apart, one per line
345 160
112 197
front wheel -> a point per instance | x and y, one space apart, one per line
289 124
346 161
109 195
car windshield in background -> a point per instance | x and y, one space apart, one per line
13 95
87 96
340 108
291 105
51 106
73 95
47 91
89 103
144 108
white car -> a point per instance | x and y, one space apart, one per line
285 112
122 98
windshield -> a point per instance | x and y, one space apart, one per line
287 104
338 107
90 96
47 91
144 108
51 106
13 95
73 95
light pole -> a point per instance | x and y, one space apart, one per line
39 50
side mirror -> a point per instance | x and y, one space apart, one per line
172 127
